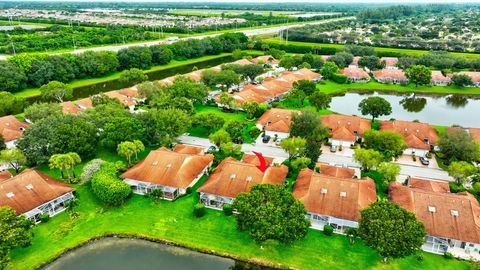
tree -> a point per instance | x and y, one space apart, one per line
75 134
135 57
227 78
57 91
253 109
296 95
10 104
391 230
209 76
149 89
234 128
63 66
308 87
127 149
139 147
61 162
108 188
308 124
237 54
461 171
2 142
40 73
165 101
371 62
320 100
12 78
39 111
161 54
208 120
419 75
293 146
375 106
300 163
287 62
220 137
231 149
390 171
120 129
228 101
75 159
132 76
188 88
328 69
390 144
271 212
458 145
462 80
14 157
96 64
14 232
250 71
368 158
170 123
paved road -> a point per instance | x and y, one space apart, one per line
405 170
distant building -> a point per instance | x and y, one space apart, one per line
438 79
390 62
11 129
266 59
474 132
276 122
69 107
475 75
355 74
395 76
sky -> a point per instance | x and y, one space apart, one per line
279 1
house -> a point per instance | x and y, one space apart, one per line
232 177
438 79
70 108
331 200
355 74
132 93
355 61
253 159
345 130
307 74
11 129
475 75
266 59
276 122
337 171
386 75
242 62
127 101
84 103
171 171
419 137
32 193
194 75
4 175
450 219
474 132
167 81
188 149
390 62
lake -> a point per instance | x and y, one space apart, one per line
435 110
123 254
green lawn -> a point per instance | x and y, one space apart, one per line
174 221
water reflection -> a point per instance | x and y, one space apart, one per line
457 101
413 103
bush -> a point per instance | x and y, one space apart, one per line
189 190
90 169
199 210
339 78
414 158
156 194
420 258
428 155
327 230
108 188
227 209
44 217
448 255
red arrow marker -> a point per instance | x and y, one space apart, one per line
263 164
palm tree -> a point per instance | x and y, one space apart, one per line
75 160
139 147
127 149
61 162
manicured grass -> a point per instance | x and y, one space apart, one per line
410 52
174 221
292 105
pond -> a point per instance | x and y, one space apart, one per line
123 254
432 109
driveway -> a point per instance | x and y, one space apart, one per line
407 160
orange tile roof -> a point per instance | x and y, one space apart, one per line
70 107
343 127
335 171
242 62
194 75
266 59
389 61
475 75
334 196
355 73
429 185
86 102
390 74
474 132
232 177
307 74
167 81
188 149
253 159
414 133
167 168
437 76
4 175
30 189
448 215
11 128
129 92
127 101
277 120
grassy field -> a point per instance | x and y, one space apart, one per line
174 221
411 52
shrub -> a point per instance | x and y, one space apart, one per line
90 169
448 255
414 158
339 78
327 230
199 210
428 155
108 188
227 209
254 132
189 190
156 194
44 217
420 258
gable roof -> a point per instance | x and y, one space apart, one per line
242 62
167 168
127 101
474 132
389 61
253 159
4 175
449 215
188 149
437 76
30 189
11 128
265 59
70 107
475 75
334 196
232 177
129 92
355 73
429 185
335 171
343 127
390 74
86 102
414 133
277 120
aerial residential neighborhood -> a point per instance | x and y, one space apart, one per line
239 135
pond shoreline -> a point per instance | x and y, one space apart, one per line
394 91
132 236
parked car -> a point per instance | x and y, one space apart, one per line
266 139
333 148
211 149
425 161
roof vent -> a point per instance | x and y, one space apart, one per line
454 213
249 178
155 163
10 195
348 123
418 130
432 209
232 176
29 186
406 129
343 194
323 191
169 165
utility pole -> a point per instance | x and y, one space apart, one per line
13 47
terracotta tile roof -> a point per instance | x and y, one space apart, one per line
70 107
280 82
355 73
343 127
333 196
127 101
429 185
335 171
129 92
188 149
166 81
277 120
232 177
194 75
253 159
448 215
86 102
307 74
437 76
474 132
475 75
355 60
4 175
248 95
11 128
389 61
167 168
414 133
390 74
30 189
266 59
242 62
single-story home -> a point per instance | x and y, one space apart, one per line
345 130
390 62
276 122
11 129
438 79
475 75
333 200
386 75
419 137
355 74
355 61
84 103
69 107
474 132
170 171
266 59
127 101
232 177
32 193
337 170
451 219
4 175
